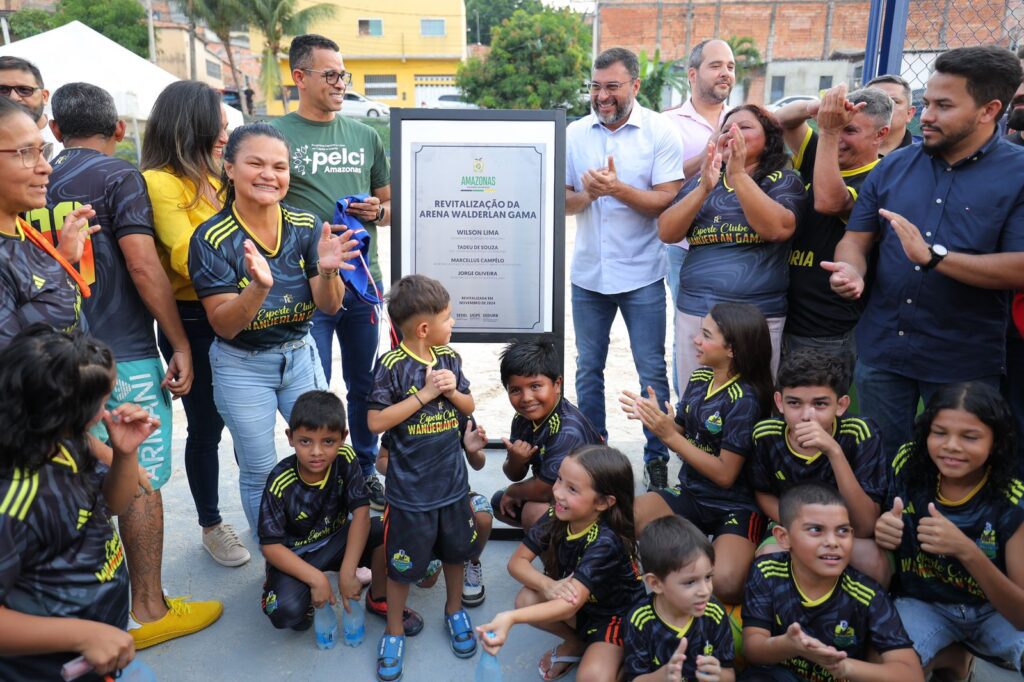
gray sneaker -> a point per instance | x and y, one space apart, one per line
656 475
224 546
473 584
375 490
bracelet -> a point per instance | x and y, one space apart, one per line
326 274
417 396
380 215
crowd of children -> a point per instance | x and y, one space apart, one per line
850 563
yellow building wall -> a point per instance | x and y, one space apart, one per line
400 50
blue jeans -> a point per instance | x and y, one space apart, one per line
1013 390
643 310
205 426
356 325
934 626
675 257
891 400
250 388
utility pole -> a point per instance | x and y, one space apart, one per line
477 12
152 31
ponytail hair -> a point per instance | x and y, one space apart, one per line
611 476
52 384
235 140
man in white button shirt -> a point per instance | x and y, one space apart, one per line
711 72
624 166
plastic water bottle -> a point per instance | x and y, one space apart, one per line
137 671
354 623
325 624
488 669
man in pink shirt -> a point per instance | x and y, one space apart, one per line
712 73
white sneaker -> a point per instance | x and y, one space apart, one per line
224 546
473 584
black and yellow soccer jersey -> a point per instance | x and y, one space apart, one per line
595 557
299 515
814 309
216 262
718 418
855 615
561 432
117 192
426 469
650 642
59 554
775 465
988 520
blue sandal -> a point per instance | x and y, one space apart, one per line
390 656
460 631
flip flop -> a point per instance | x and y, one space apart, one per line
554 659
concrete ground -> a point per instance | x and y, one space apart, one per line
243 645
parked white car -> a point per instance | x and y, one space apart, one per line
454 102
358 105
779 103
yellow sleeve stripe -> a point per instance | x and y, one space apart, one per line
857 428
769 427
902 456
858 591
279 484
735 392
216 234
702 374
714 612
1015 491
301 219
443 350
393 358
348 453
798 158
641 617
20 495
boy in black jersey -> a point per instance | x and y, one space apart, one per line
678 631
304 523
545 429
807 615
418 392
817 441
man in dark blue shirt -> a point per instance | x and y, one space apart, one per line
950 233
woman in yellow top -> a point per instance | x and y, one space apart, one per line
181 159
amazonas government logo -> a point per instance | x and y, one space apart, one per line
477 181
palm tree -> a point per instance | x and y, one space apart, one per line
748 58
276 19
221 17
656 76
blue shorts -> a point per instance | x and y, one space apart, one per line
933 627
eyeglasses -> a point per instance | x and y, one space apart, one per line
30 155
610 88
22 90
332 77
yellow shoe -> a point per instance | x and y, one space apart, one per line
182 618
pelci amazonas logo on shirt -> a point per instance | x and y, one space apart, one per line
310 159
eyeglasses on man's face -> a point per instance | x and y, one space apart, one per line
611 88
30 155
332 77
22 90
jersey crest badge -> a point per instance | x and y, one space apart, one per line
714 423
988 543
401 561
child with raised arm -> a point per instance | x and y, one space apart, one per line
545 429
956 524
679 631
418 392
63 579
816 440
807 615
710 431
304 524
590 576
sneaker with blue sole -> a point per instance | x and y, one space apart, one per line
460 632
390 657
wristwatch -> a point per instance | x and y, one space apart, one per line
380 215
938 252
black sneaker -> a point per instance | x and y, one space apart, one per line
375 490
656 474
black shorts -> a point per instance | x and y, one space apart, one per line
413 538
713 521
286 599
607 629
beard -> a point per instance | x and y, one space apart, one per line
948 140
622 110
708 93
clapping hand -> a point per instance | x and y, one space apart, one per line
736 151
335 251
835 111
256 265
711 169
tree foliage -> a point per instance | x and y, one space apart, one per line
276 20
537 61
748 57
123 21
488 14
221 17
656 76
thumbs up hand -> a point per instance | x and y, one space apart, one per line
938 535
889 527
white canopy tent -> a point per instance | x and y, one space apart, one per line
76 53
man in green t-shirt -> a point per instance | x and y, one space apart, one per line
333 157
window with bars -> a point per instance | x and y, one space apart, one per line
381 86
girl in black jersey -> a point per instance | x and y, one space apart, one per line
63 580
590 579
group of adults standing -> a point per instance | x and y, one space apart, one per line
227 243
902 265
